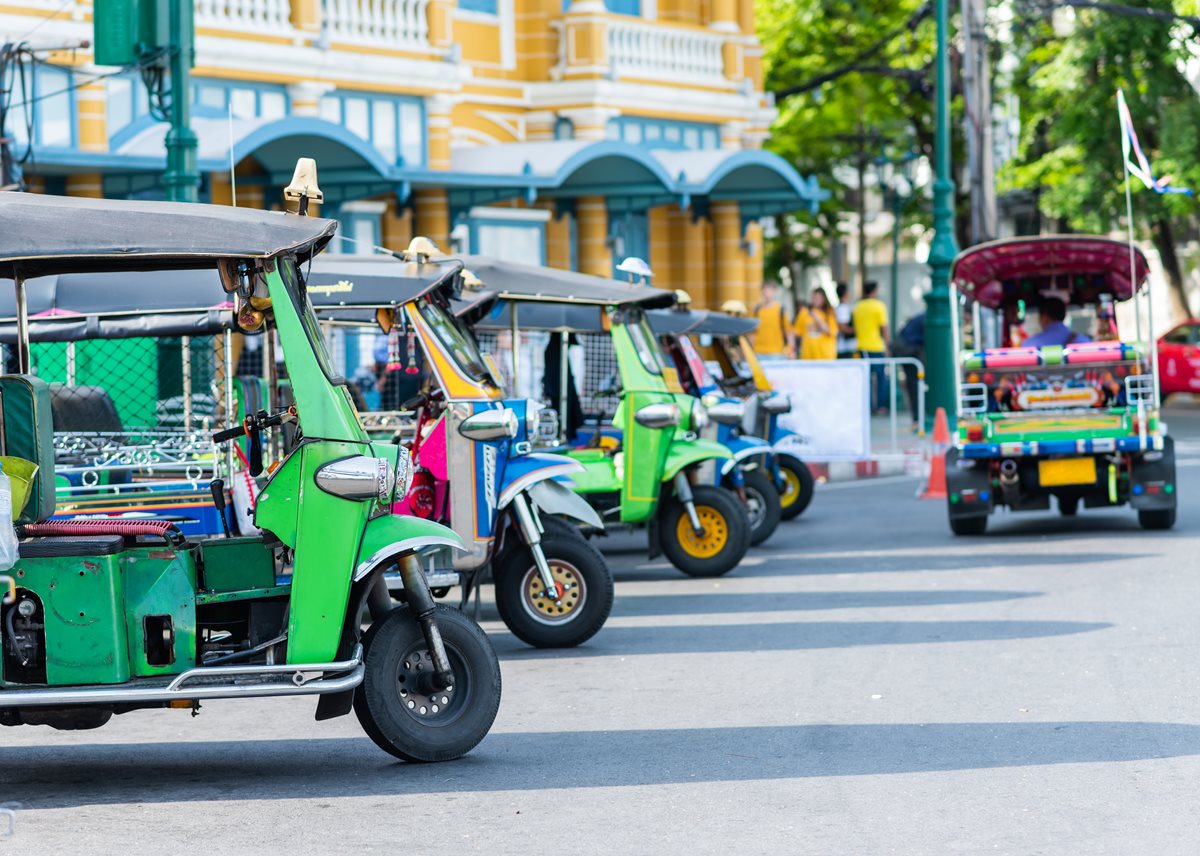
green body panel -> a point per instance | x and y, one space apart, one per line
391 528
160 582
28 432
84 602
682 455
236 564
599 472
643 450
278 508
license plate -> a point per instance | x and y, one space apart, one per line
1067 471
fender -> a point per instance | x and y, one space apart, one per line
1149 475
522 472
556 498
681 455
743 447
391 535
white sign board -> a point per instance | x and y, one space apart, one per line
830 412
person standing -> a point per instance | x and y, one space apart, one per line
910 342
871 329
817 328
847 345
773 338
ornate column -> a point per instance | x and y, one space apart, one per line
583 52
437 120
92 99
306 95
591 216
433 216
729 274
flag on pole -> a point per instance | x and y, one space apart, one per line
1130 145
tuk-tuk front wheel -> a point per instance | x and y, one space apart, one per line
798 487
403 712
567 617
763 505
722 544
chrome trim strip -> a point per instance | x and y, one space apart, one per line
408 545
301 683
534 477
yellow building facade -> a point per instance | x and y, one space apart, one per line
572 133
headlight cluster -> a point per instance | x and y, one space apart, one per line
359 477
728 412
699 415
533 416
404 473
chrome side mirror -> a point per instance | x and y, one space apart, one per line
499 424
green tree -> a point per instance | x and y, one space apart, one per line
1070 150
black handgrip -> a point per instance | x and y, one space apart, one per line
255 453
229 434
418 400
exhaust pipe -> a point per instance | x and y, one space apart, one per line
1009 480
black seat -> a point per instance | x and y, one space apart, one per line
71 545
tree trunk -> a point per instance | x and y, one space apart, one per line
1164 242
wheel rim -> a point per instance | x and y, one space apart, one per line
572 594
433 708
791 488
756 506
711 542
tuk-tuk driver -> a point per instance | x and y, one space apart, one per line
1052 314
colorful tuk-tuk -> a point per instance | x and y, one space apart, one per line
652 469
115 615
1071 412
741 376
476 467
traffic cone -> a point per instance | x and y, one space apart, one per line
935 487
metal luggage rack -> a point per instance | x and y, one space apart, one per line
172 457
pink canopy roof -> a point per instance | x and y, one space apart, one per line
1082 264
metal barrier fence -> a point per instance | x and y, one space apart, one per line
915 390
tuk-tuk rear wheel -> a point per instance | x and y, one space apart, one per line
763 504
401 713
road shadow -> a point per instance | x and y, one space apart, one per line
50 777
726 601
985 556
789 636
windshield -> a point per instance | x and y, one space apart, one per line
456 339
308 318
646 345
700 373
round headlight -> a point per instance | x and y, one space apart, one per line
533 415
699 416
404 473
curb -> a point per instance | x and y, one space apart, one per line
913 462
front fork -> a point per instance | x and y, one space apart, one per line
683 489
531 528
420 601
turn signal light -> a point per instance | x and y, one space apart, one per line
975 433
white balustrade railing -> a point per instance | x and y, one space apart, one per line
664 52
255 16
387 23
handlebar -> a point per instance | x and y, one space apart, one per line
229 434
255 422
418 400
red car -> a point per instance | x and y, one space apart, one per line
1179 358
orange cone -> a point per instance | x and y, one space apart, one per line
935 487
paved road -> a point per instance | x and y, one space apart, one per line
864 684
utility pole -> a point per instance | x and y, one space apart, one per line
157 37
862 210
938 333
977 122
181 180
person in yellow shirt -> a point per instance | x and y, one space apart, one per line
870 319
773 338
816 327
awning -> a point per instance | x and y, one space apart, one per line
761 182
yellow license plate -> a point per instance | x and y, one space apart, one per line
1067 471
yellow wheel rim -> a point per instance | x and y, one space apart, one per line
554 609
709 544
791 488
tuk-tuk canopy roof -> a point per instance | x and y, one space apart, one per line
514 281
701 321
373 281
42 235
1082 267
553 317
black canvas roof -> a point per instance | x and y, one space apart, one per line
515 281
42 235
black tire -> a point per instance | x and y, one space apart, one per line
969 525
564 623
800 487
762 498
726 512
1156 518
455 719
1068 506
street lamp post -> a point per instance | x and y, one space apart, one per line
939 356
181 179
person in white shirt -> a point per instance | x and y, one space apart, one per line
847 345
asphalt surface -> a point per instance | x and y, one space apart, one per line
865 683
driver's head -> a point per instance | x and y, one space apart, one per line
1052 310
